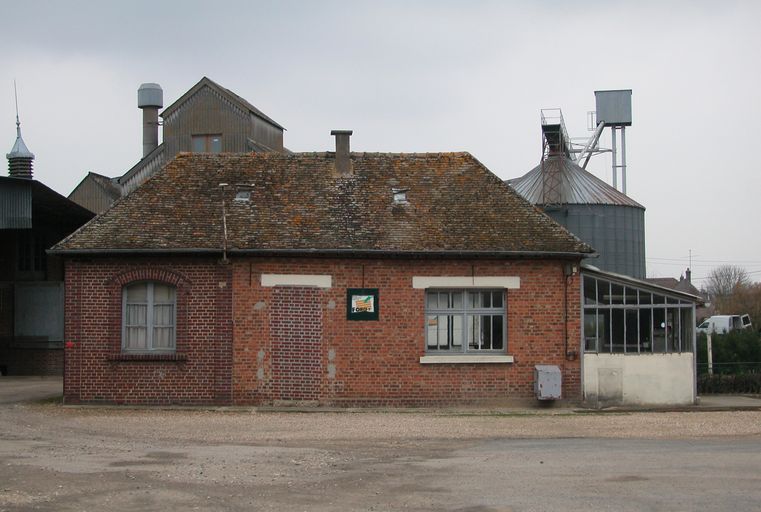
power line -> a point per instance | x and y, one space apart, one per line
685 259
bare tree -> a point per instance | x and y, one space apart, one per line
724 281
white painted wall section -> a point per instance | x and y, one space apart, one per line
318 281
511 282
644 379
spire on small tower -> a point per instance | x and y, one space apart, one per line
20 158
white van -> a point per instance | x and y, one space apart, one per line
721 324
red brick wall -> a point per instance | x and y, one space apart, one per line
97 371
296 343
377 362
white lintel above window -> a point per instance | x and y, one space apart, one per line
509 282
314 280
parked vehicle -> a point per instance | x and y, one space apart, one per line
720 324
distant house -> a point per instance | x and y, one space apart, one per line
32 218
206 119
321 278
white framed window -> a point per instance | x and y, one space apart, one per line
466 321
149 315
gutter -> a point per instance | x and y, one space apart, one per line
328 253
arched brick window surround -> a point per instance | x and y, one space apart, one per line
155 274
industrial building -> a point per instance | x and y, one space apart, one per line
206 119
638 336
32 218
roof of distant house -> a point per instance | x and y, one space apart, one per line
681 284
298 203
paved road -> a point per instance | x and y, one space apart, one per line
60 459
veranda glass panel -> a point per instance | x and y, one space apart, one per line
632 331
603 330
687 326
590 291
618 330
659 330
616 293
645 330
672 330
590 330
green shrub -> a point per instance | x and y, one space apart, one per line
735 353
722 383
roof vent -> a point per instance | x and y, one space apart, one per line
243 194
400 195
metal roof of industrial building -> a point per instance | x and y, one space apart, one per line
578 186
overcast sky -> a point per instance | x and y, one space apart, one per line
421 76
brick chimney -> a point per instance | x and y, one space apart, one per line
343 153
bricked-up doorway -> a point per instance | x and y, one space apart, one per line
296 331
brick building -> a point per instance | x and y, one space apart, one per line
332 278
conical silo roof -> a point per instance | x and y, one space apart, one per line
577 186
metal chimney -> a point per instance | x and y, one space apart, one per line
343 154
20 158
150 98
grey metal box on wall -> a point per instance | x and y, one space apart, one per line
614 108
547 382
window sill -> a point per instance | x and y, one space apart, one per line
466 359
122 357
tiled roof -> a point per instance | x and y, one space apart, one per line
299 203
681 284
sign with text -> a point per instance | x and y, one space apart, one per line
362 304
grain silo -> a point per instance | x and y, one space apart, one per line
600 215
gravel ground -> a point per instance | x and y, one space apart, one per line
58 458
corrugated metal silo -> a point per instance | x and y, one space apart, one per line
600 215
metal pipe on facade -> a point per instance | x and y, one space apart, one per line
623 159
613 149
